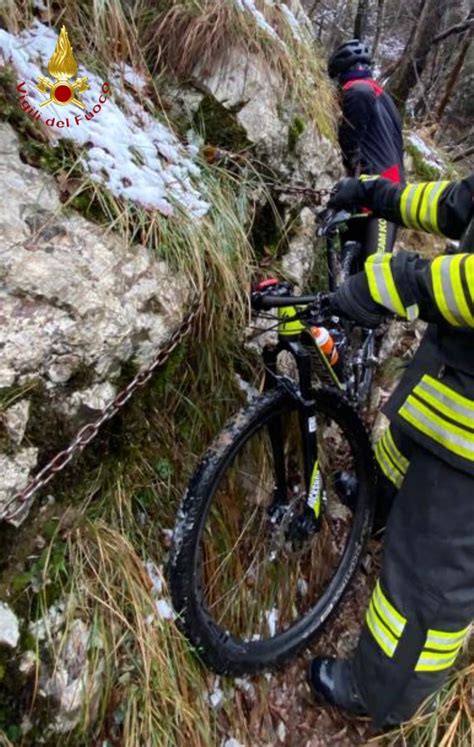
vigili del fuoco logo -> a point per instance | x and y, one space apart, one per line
65 88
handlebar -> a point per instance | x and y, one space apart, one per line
272 302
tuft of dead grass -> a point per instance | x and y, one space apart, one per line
197 35
449 725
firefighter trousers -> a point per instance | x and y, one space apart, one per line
423 602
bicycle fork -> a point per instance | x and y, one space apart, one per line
309 520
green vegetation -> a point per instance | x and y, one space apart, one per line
297 127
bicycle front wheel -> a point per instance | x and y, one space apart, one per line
251 588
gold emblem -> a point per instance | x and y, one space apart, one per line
62 66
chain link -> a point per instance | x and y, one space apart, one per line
316 195
88 432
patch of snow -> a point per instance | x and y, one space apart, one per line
243 684
134 155
165 610
49 624
155 577
271 617
248 389
391 48
130 76
430 156
163 607
302 586
281 731
216 696
232 743
260 19
292 21
9 627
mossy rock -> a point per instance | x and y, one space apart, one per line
295 130
219 126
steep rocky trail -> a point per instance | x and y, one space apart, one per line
111 226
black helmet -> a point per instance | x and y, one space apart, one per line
347 55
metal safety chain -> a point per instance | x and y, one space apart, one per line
88 432
316 195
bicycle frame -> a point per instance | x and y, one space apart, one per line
290 339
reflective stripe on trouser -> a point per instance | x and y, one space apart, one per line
390 459
419 205
427 578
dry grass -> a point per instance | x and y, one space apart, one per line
149 674
197 34
450 725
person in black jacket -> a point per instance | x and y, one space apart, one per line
423 602
370 135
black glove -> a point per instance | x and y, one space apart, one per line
353 301
347 194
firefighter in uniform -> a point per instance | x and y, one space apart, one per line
423 602
370 136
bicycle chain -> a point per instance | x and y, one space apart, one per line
89 431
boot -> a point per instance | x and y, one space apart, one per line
332 682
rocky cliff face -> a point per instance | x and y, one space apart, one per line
80 307
76 303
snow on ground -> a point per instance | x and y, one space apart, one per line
430 156
127 150
162 605
391 48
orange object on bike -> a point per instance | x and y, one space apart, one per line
326 343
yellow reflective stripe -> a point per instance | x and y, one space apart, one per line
450 436
397 456
441 640
292 327
389 470
412 201
430 661
442 289
434 207
381 284
314 496
441 397
449 393
386 640
461 299
449 290
405 202
469 268
368 177
424 217
395 621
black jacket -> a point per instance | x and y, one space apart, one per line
434 402
370 134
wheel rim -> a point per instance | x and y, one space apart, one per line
254 584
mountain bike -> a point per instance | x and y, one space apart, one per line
344 258
268 535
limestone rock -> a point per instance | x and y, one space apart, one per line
248 87
75 303
74 683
